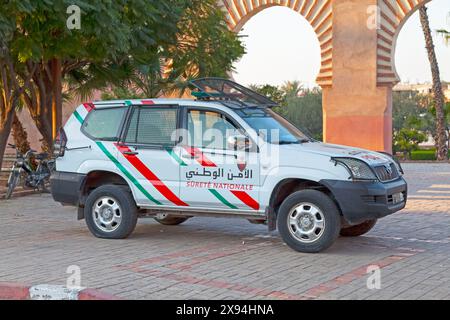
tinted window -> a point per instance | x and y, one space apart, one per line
209 129
104 124
152 126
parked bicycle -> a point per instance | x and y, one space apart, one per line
35 177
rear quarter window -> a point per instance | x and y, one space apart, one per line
152 126
104 124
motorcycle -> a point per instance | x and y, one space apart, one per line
35 177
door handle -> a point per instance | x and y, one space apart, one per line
131 153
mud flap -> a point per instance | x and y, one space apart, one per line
271 220
80 213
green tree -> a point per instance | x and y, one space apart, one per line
42 48
204 47
407 140
273 93
306 112
11 90
303 111
292 88
413 110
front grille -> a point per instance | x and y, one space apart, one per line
387 173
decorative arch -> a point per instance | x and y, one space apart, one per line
393 16
318 13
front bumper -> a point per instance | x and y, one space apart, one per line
362 201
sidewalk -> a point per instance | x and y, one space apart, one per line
232 259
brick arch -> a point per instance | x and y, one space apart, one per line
317 12
393 16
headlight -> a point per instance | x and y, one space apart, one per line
20 163
357 168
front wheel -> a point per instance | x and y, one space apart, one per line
358 230
309 221
111 212
12 183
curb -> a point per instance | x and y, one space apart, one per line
18 291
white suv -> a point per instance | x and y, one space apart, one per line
224 154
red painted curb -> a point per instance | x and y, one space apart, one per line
14 291
92 294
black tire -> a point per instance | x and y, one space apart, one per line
329 215
358 230
128 211
12 183
171 220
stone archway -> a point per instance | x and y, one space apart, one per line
358 61
393 16
317 12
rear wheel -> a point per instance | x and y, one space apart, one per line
358 230
111 212
309 221
168 220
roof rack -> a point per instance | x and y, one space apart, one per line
229 93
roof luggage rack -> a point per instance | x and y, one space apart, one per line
229 93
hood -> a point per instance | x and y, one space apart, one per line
332 150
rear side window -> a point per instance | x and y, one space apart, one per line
152 126
104 124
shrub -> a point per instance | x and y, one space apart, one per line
423 155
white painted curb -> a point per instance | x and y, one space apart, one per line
52 292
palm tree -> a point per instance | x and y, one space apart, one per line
292 88
439 98
445 33
20 135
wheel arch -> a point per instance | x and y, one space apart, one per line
288 186
98 178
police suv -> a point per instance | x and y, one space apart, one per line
224 154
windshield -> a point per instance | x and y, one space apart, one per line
272 127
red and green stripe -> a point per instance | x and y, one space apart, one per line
222 199
175 157
150 176
78 117
245 198
198 155
127 174
241 195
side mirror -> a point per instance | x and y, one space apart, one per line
239 143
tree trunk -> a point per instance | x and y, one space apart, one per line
441 123
20 135
57 97
44 107
5 130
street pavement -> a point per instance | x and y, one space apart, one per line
41 242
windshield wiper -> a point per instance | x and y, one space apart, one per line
288 142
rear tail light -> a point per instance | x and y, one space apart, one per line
59 147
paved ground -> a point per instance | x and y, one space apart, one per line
232 259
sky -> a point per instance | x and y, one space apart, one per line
281 46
